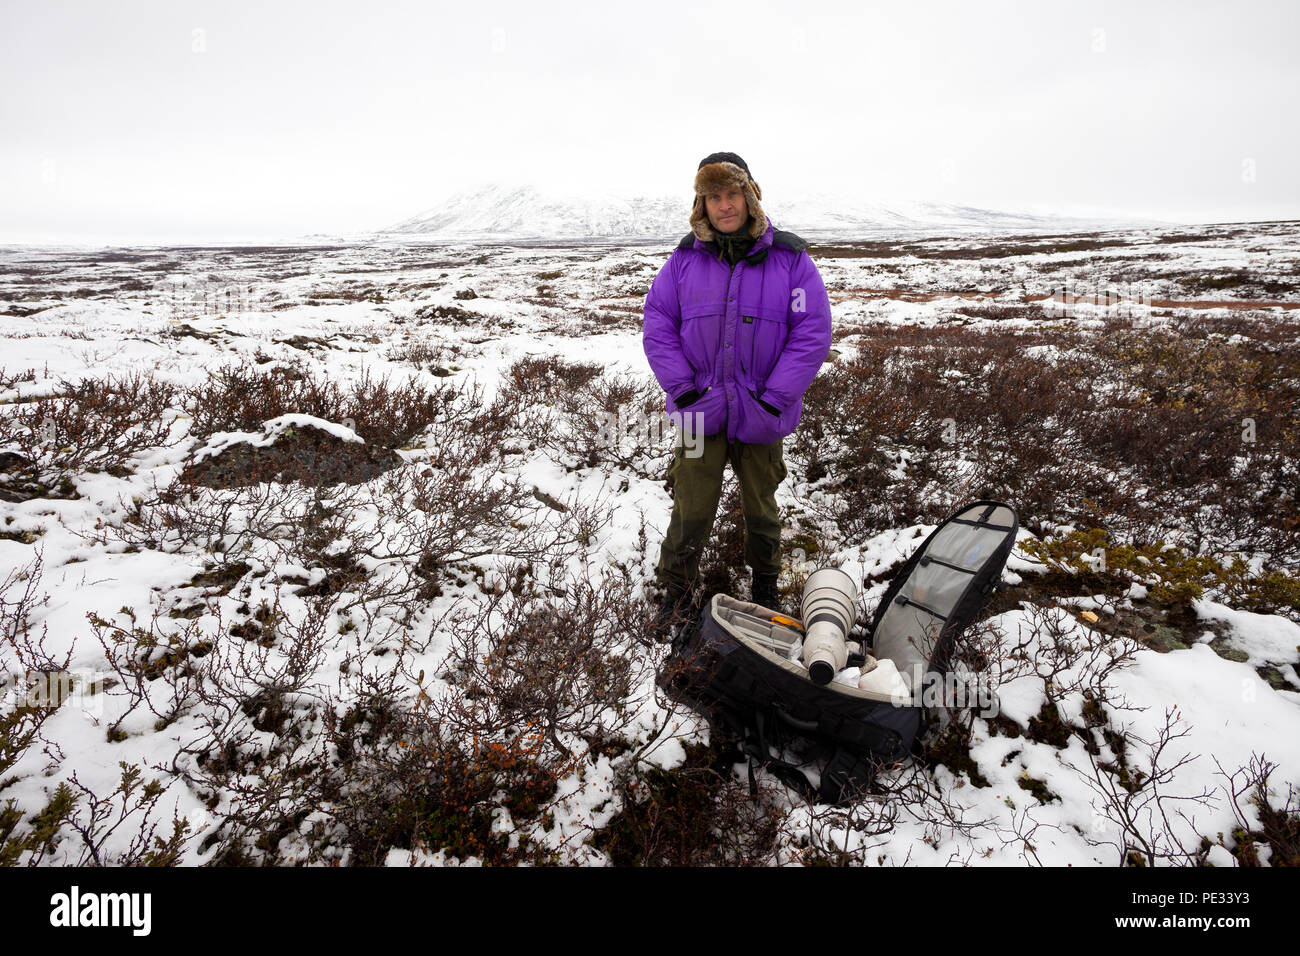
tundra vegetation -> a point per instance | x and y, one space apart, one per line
391 515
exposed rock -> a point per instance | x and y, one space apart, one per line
1223 647
12 461
296 448
551 502
305 342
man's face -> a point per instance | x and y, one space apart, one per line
727 209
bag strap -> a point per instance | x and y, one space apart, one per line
845 772
756 747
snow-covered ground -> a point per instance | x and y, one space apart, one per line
462 314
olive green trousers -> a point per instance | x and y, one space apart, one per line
697 488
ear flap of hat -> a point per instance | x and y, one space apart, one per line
714 177
700 224
752 195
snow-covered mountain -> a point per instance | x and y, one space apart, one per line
516 211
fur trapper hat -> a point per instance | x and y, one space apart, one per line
717 171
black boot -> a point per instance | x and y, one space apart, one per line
675 609
765 593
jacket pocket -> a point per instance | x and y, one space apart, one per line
769 342
705 416
763 405
764 330
701 337
758 426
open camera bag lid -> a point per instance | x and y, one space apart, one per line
730 664
940 589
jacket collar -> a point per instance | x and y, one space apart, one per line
762 246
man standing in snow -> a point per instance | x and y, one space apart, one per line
737 323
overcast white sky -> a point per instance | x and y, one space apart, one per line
174 119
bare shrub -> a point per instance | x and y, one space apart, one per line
405 781
908 428
89 425
548 378
1258 820
262 758
1203 425
31 677
612 421
256 756
424 351
77 827
1150 825
10 380
1070 659
1148 431
388 542
568 668
852 834
1000 313
193 518
1133 778
240 398
722 564
532 690
590 418
854 422
696 814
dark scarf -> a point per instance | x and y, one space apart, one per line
734 246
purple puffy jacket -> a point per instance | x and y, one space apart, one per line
760 331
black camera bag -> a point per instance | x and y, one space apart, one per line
729 665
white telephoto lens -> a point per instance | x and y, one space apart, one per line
829 608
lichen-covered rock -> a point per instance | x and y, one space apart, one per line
290 448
